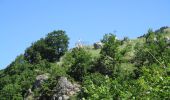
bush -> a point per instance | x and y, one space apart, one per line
80 64
96 87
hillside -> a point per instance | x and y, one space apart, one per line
117 69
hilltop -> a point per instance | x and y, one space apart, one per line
117 69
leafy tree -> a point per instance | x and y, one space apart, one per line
57 42
110 47
81 63
110 57
150 36
51 48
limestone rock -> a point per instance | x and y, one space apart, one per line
40 79
65 89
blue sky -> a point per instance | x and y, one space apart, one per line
25 21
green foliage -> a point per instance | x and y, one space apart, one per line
57 42
161 30
153 84
150 36
47 89
51 48
97 87
9 91
80 64
125 39
57 70
67 61
36 52
16 79
126 53
105 65
110 47
110 57
155 50
123 70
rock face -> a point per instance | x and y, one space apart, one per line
38 82
98 45
40 79
65 89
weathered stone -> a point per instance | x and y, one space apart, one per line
30 91
98 45
40 79
71 93
65 97
65 89
60 98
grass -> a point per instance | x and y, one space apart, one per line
95 53
130 55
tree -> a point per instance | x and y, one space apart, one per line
51 48
110 57
81 63
150 36
57 42
110 47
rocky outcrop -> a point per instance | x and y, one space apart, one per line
39 80
98 45
65 89
37 84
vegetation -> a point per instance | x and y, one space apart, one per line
51 48
122 69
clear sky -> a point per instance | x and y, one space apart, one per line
25 21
